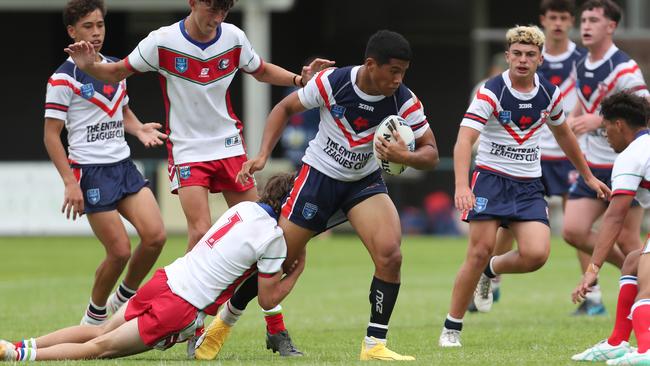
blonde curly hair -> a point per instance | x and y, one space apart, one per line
525 34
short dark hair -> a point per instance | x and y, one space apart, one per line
629 107
611 10
224 5
77 9
560 6
276 189
385 44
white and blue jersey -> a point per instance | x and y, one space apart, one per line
92 113
560 70
510 123
614 73
342 148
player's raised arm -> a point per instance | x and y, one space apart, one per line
276 75
275 124
85 57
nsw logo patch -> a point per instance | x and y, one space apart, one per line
337 111
309 211
181 64
184 172
93 196
233 141
504 117
87 91
481 204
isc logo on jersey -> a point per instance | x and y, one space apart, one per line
386 129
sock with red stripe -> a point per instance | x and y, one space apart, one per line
26 343
230 314
25 354
641 323
623 324
274 320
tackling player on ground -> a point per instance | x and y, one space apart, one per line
100 179
506 190
245 242
625 119
605 70
197 59
339 178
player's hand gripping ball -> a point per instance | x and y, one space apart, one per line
386 129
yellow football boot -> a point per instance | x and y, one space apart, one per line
212 340
380 352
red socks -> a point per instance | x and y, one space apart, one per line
623 324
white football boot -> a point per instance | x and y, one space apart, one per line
483 294
603 351
449 338
632 358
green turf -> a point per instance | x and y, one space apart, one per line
45 284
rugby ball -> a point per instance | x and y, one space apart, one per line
386 129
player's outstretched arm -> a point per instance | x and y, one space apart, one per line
607 235
272 290
276 75
463 197
73 201
424 157
84 56
275 124
569 144
147 133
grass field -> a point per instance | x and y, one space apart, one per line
45 284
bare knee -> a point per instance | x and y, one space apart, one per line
195 232
479 254
119 254
631 263
574 236
629 241
535 261
390 260
155 239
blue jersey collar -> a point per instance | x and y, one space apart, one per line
269 210
201 45
644 131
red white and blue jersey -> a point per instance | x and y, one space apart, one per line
510 122
560 70
631 172
92 113
195 78
342 148
615 72
245 240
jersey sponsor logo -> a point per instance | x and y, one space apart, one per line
337 111
87 91
504 117
481 204
180 64
233 141
309 211
93 196
223 64
204 72
555 65
589 74
366 107
184 172
525 105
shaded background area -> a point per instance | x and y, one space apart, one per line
448 61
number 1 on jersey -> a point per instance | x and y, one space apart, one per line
223 230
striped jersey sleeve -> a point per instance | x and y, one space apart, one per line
249 61
631 80
270 261
144 57
480 109
314 93
57 100
556 114
413 112
627 173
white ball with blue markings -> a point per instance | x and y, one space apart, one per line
386 130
